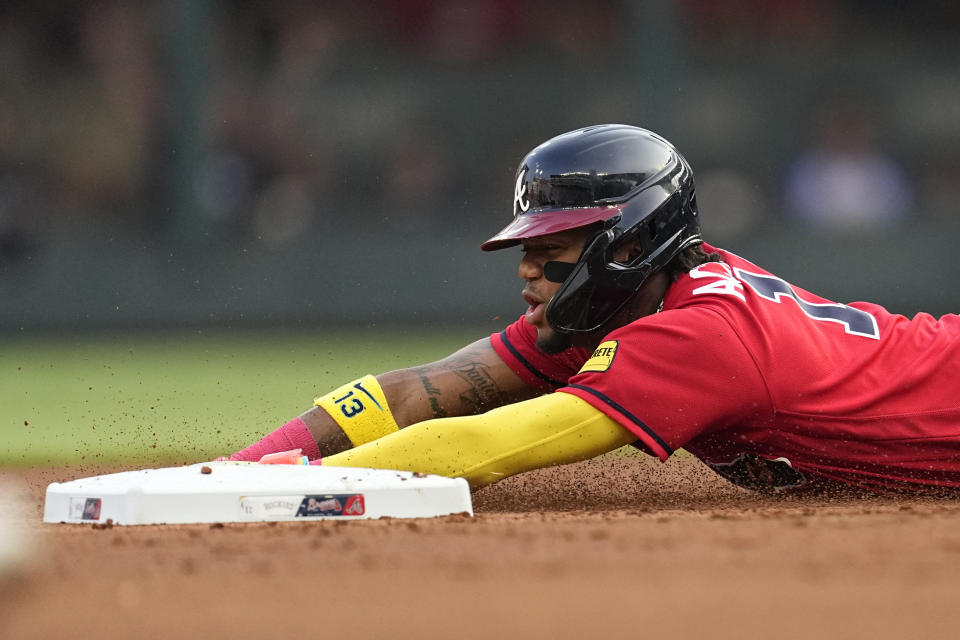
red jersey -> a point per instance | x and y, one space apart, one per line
771 385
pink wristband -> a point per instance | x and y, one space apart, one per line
293 435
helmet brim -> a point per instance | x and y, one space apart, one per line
547 221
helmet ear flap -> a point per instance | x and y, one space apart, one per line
616 263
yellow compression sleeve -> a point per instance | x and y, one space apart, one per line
553 429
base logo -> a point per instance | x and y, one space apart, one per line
602 357
288 507
350 504
85 508
270 507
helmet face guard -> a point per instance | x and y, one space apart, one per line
633 182
599 286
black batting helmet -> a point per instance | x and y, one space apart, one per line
633 185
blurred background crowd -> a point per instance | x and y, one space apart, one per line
228 162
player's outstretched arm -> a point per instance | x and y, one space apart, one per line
470 381
553 429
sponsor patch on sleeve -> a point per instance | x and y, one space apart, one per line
602 357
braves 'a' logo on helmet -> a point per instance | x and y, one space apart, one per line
520 202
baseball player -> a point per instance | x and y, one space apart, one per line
639 332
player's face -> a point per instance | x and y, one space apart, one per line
565 246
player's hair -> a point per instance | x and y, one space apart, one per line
688 259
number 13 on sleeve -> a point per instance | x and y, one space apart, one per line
360 408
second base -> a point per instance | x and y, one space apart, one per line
245 492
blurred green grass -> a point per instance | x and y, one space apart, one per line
185 397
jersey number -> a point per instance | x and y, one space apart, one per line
854 321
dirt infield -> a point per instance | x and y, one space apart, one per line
615 547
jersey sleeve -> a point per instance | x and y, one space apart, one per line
673 376
517 347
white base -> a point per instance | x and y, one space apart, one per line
245 492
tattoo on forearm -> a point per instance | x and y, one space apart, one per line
432 393
483 391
